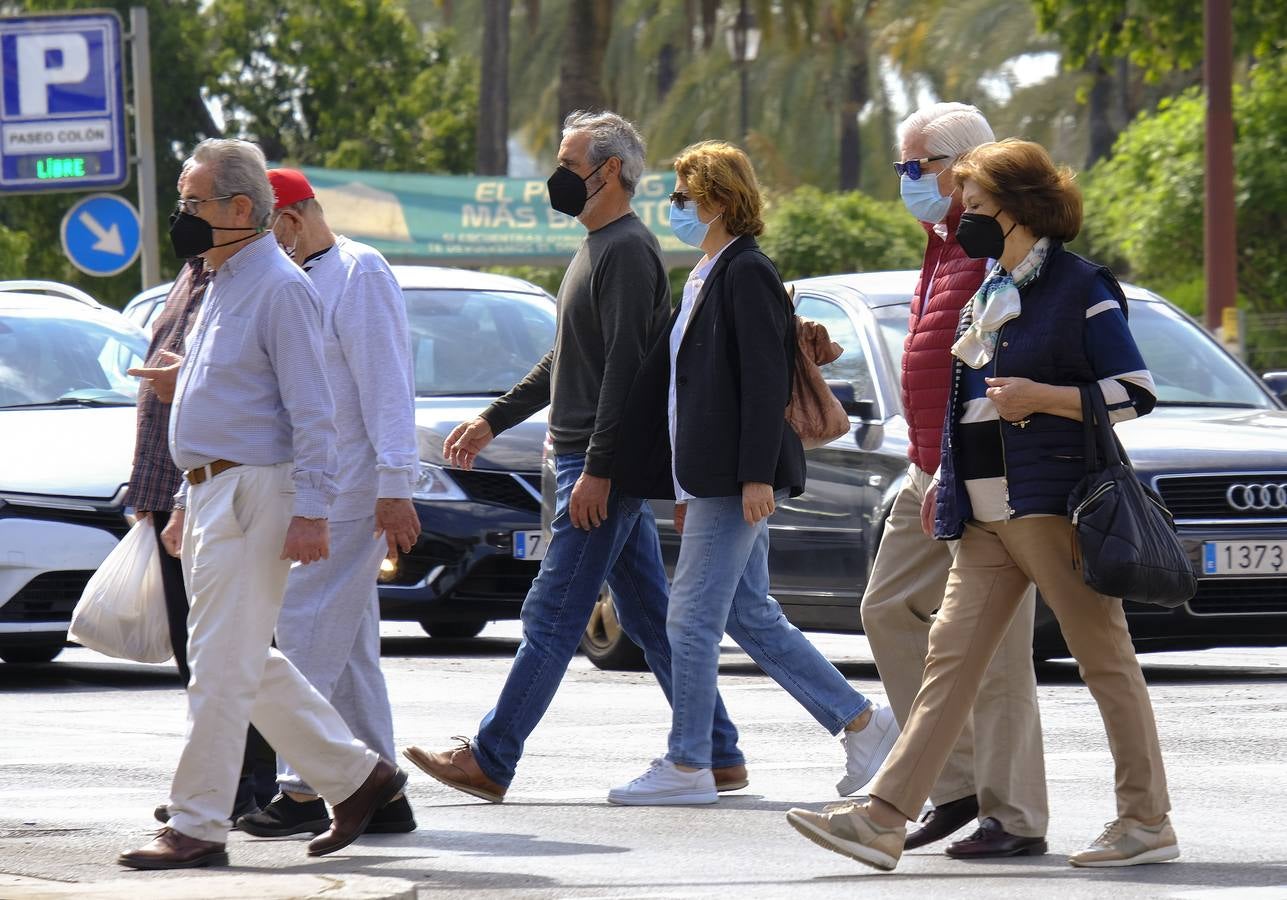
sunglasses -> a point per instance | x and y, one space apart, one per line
679 198
912 168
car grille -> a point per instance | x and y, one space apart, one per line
109 519
1240 596
1202 497
500 488
50 597
497 578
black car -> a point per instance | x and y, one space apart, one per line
1215 448
473 337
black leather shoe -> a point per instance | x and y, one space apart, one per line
395 817
284 816
990 840
942 821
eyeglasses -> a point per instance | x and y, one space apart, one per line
679 198
189 204
913 167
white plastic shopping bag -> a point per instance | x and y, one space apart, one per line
122 611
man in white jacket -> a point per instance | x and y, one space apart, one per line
329 625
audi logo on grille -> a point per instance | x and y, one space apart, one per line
1259 497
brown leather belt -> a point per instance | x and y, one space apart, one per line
205 473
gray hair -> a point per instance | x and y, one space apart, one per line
239 168
610 135
949 129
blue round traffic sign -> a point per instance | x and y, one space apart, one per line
101 234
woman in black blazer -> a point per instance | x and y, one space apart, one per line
705 425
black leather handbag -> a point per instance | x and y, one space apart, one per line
1125 533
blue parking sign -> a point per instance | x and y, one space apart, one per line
62 105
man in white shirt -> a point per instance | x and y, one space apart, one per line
329 626
252 428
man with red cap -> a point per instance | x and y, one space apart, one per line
329 625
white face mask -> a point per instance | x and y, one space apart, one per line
294 247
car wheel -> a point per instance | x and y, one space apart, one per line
605 642
31 653
453 630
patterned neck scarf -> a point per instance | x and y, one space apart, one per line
995 303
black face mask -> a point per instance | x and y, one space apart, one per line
567 190
981 237
192 235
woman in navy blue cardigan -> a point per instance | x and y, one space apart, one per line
705 425
1043 323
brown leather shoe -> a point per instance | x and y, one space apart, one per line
172 849
942 821
991 840
457 769
730 778
350 817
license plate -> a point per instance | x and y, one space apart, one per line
529 545
1244 557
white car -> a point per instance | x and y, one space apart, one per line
67 414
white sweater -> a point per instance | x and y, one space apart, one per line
368 365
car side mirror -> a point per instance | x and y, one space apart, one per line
858 409
1277 382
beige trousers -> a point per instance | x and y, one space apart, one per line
998 756
995 565
233 534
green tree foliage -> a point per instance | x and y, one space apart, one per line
1158 35
1144 204
179 69
345 84
809 233
14 247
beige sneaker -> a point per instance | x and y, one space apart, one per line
1129 842
850 832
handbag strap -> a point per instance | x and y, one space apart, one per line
1097 431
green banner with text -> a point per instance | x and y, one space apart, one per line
473 220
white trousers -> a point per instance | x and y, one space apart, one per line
329 628
233 535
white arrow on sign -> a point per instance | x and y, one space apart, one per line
109 239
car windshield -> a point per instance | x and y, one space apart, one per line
1188 367
48 360
476 342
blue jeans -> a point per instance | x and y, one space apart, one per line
722 584
625 552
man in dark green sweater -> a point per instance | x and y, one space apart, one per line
613 303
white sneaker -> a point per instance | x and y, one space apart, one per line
866 750
664 785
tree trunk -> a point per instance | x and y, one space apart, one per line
667 69
857 92
493 91
1099 112
708 11
581 73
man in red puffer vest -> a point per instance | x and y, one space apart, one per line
997 771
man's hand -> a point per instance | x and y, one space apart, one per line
589 506
307 540
466 441
172 534
396 519
757 501
681 513
163 377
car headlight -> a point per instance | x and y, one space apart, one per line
435 484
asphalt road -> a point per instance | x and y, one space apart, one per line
88 745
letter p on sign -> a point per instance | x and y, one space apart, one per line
46 60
